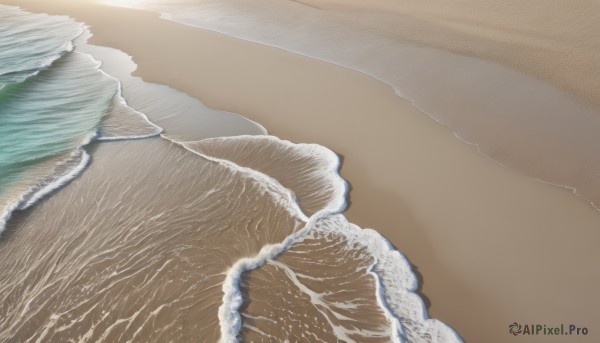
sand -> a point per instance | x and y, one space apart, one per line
556 41
492 246
110 270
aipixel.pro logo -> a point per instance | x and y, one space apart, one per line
515 328
546 330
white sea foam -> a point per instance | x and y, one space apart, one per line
311 171
60 180
396 284
229 316
7 214
52 183
43 64
154 131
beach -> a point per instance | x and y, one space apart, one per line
491 246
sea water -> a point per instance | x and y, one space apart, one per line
52 102
163 239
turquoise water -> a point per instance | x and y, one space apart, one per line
30 42
51 113
52 101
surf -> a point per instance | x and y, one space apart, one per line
53 102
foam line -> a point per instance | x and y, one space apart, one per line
396 284
58 183
229 316
122 102
43 65
34 195
330 170
46 62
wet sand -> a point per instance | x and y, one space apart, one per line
523 122
140 252
556 41
492 246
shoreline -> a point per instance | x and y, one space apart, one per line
374 173
548 134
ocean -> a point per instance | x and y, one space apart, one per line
54 100
132 212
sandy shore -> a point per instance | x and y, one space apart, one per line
493 246
555 41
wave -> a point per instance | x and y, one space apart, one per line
396 290
30 43
318 207
63 73
55 107
310 171
37 130
63 171
397 285
57 180
229 315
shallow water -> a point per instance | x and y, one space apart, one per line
140 252
166 238
53 101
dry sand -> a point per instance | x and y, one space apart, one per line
554 40
492 246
